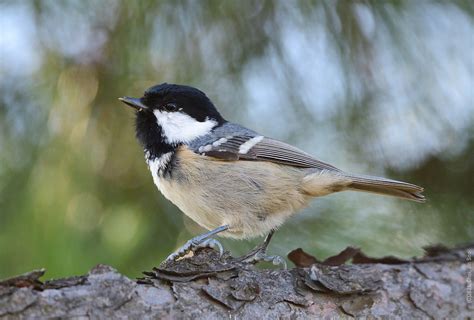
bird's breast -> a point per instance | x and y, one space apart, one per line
252 197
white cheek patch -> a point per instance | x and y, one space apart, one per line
179 127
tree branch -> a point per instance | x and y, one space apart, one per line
204 287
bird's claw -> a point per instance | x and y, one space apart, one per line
277 261
194 244
262 256
214 244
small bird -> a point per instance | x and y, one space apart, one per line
232 180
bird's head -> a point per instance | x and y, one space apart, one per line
173 114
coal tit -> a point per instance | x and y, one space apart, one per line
232 180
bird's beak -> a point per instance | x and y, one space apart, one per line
134 103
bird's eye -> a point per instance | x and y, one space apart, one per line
170 107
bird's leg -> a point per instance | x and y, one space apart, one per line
259 253
201 241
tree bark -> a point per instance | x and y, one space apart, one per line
206 287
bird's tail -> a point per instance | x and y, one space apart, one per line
386 187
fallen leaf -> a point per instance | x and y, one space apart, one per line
360 258
342 257
302 259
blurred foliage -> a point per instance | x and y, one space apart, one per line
375 87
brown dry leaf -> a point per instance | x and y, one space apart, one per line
435 250
302 259
360 258
342 257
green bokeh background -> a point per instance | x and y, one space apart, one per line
374 87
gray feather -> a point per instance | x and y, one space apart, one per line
265 150
225 142
387 187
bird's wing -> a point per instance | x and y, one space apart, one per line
239 143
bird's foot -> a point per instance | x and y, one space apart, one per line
261 255
194 244
201 241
